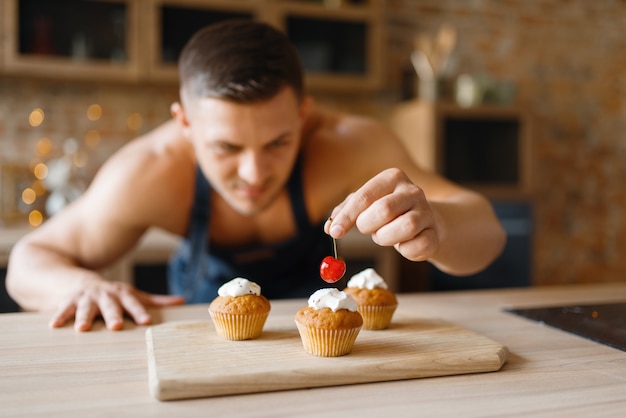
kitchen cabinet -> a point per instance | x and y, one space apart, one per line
340 46
339 41
72 39
2 35
170 23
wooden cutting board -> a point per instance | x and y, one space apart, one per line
189 360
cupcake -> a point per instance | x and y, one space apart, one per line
376 303
239 311
330 323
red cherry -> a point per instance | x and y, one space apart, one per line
332 269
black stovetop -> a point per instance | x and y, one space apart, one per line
605 323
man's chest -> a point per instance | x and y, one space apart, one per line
229 228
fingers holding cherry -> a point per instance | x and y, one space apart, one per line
332 268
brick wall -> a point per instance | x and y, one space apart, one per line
566 57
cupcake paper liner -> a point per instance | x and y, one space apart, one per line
376 317
327 342
238 327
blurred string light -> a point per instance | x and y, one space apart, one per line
72 153
94 112
44 146
36 117
134 122
29 196
35 218
41 171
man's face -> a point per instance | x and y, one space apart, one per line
247 151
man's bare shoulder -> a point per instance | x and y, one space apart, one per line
165 145
358 144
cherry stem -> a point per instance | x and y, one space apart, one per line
334 240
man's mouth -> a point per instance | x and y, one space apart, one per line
251 192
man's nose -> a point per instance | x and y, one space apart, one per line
252 168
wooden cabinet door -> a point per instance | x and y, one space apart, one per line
88 40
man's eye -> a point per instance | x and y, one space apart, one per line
225 148
277 144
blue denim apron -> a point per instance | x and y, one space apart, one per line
288 269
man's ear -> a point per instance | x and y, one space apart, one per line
179 115
305 107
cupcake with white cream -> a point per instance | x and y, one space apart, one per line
239 311
330 323
376 303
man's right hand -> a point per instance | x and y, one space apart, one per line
111 301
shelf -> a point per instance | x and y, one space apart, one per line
72 39
341 46
170 23
340 41
484 148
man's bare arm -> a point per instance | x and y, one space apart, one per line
421 214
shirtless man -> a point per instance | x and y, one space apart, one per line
249 171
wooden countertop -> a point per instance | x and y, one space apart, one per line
549 372
155 245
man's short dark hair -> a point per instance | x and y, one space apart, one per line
240 60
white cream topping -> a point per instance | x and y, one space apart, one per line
332 298
239 287
367 279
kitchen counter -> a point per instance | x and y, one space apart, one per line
548 373
155 246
